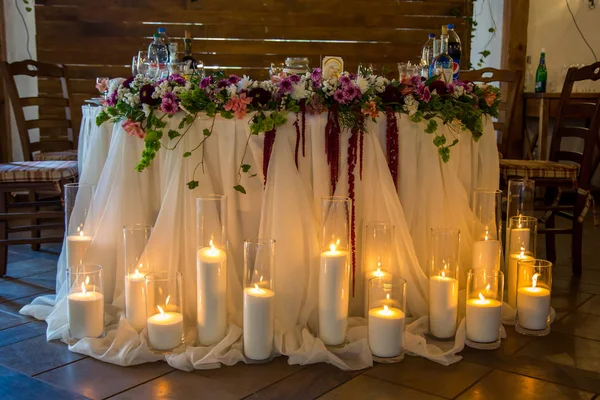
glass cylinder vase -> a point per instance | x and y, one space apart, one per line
386 318
487 229
79 228
259 298
334 272
211 269
533 297
485 291
137 266
377 254
164 307
443 282
520 198
85 301
521 245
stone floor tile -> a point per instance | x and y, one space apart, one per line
365 387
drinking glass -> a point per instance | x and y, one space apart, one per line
143 62
134 66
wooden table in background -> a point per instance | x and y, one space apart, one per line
545 106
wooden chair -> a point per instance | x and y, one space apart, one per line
513 80
565 170
34 176
55 133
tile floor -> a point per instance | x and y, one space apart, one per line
563 365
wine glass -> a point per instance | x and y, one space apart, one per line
134 66
143 62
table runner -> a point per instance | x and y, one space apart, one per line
430 193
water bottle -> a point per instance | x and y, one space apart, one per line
165 39
427 55
443 62
436 53
454 50
158 56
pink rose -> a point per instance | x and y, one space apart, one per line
133 129
489 98
102 86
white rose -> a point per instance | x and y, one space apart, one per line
231 90
362 84
244 83
299 92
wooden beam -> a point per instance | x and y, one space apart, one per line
514 55
5 142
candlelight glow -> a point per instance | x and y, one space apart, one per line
80 233
167 300
83 288
387 297
443 274
522 255
378 273
332 247
487 288
534 280
213 250
162 313
481 297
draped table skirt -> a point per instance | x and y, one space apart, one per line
429 193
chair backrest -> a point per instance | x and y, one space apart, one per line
513 81
569 110
56 133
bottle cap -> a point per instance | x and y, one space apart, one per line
450 26
162 30
543 50
156 36
431 35
444 29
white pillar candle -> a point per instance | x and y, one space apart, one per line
519 239
486 254
386 331
77 247
165 330
513 261
443 306
211 281
484 317
333 296
135 300
86 313
258 323
533 306
378 273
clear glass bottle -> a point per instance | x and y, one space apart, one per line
443 62
158 57
427 55
435 54
296 65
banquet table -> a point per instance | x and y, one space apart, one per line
429 193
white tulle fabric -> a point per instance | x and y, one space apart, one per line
288 209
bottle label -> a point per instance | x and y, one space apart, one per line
445 74
455 70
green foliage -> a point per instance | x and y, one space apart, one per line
240 189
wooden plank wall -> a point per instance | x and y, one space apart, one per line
100 37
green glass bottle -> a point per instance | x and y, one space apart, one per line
541 75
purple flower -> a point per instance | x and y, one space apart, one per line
146 95
391 94
285 85
425 94
168 106
223 83
170 96
439 87
339 96
316 77
352 76
259 96
233 80
351 92
345 80
415 80
158 82
112 99
127 82
206 82
294 78
177 79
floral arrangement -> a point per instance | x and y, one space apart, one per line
141 106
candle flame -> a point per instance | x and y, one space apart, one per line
261 278
137 272
387 297
256 287
87 280
486 236
481 297
162 312
167 300
386 309
80 233
522 255
213 251
443 274
83 288
534 280
378 272
332 247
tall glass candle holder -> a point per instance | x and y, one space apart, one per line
211 269
259 298
164 307
485 291
533 297
137 266
522 242
386 318
443 282
521 194
79 228
377 254
334 273
487 229
85 301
